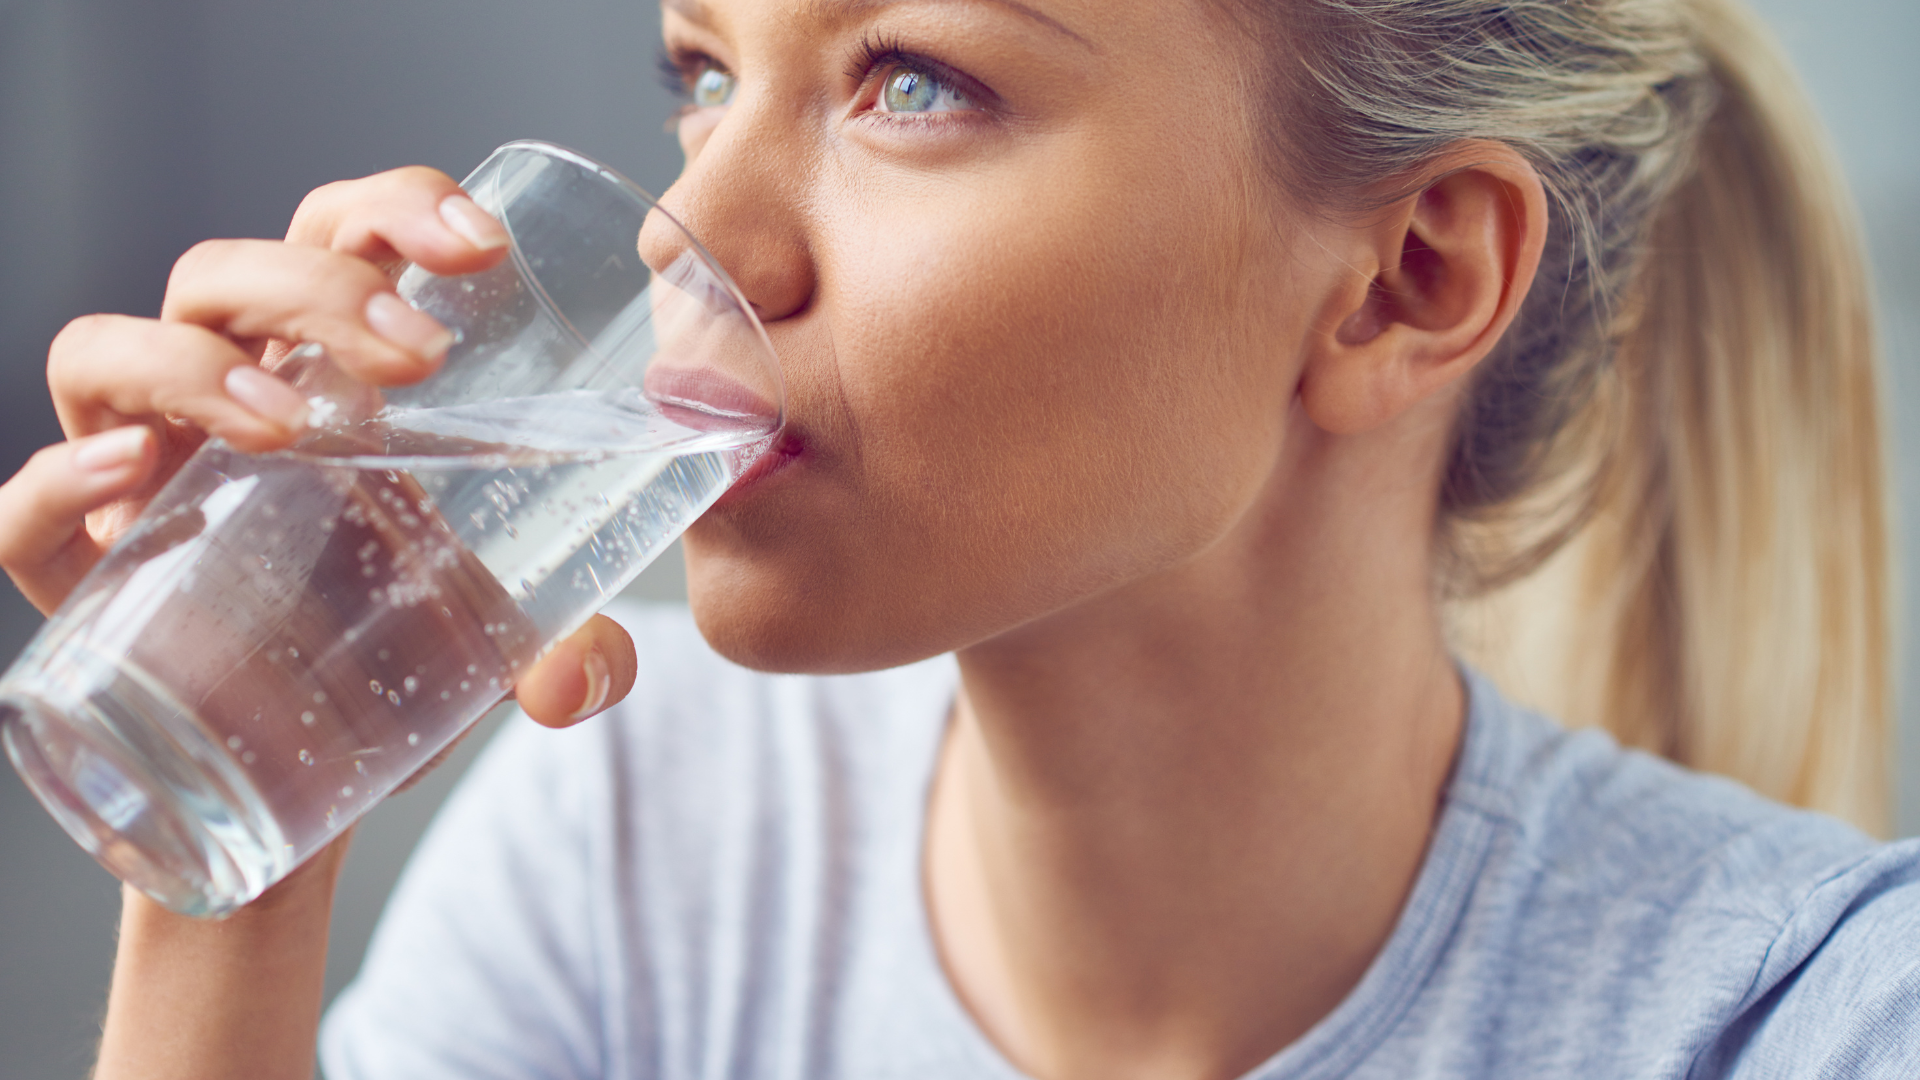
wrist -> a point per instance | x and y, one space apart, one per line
222 999
301 897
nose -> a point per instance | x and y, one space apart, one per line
739 196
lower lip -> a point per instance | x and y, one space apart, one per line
778 458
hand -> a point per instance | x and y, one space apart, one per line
137 396
241 997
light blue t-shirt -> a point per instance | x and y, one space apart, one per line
720 879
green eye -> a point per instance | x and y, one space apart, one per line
910 91
713 87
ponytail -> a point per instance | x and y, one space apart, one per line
1664 510
1726 604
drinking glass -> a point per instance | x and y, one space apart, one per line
284 638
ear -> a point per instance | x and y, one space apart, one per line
1440 277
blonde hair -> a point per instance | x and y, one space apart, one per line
1664 512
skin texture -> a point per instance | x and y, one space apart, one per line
1155 451
1072 393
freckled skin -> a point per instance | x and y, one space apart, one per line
1028 359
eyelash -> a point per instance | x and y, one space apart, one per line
678 68
879 53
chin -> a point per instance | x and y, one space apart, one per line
789 620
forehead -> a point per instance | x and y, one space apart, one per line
844 10
1090 24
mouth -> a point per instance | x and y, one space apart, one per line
778 458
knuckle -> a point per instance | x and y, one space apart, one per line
324 196
78 332
76 339
417 178
199 260
41 459
312 218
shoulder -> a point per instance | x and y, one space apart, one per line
1584 816
1838 992
1661 914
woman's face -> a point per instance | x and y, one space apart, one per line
1031 299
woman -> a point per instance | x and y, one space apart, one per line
1176 367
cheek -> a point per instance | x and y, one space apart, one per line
1032 400
1070 383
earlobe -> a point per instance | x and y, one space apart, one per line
1441 274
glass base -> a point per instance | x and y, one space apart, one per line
144 805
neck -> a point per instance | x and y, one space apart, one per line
1173 825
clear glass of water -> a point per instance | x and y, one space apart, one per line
284 638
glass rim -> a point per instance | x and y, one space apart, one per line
650 205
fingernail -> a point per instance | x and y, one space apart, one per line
413 331
268 396
111 450
599 684
475 226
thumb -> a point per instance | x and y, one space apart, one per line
584 674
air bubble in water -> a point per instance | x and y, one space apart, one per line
346 793
233 742
465 685
413 739
411 684
307 718
393 696
374 685
306 757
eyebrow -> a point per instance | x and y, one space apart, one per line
696 11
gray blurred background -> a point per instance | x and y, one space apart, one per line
129 130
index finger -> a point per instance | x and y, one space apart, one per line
415 213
